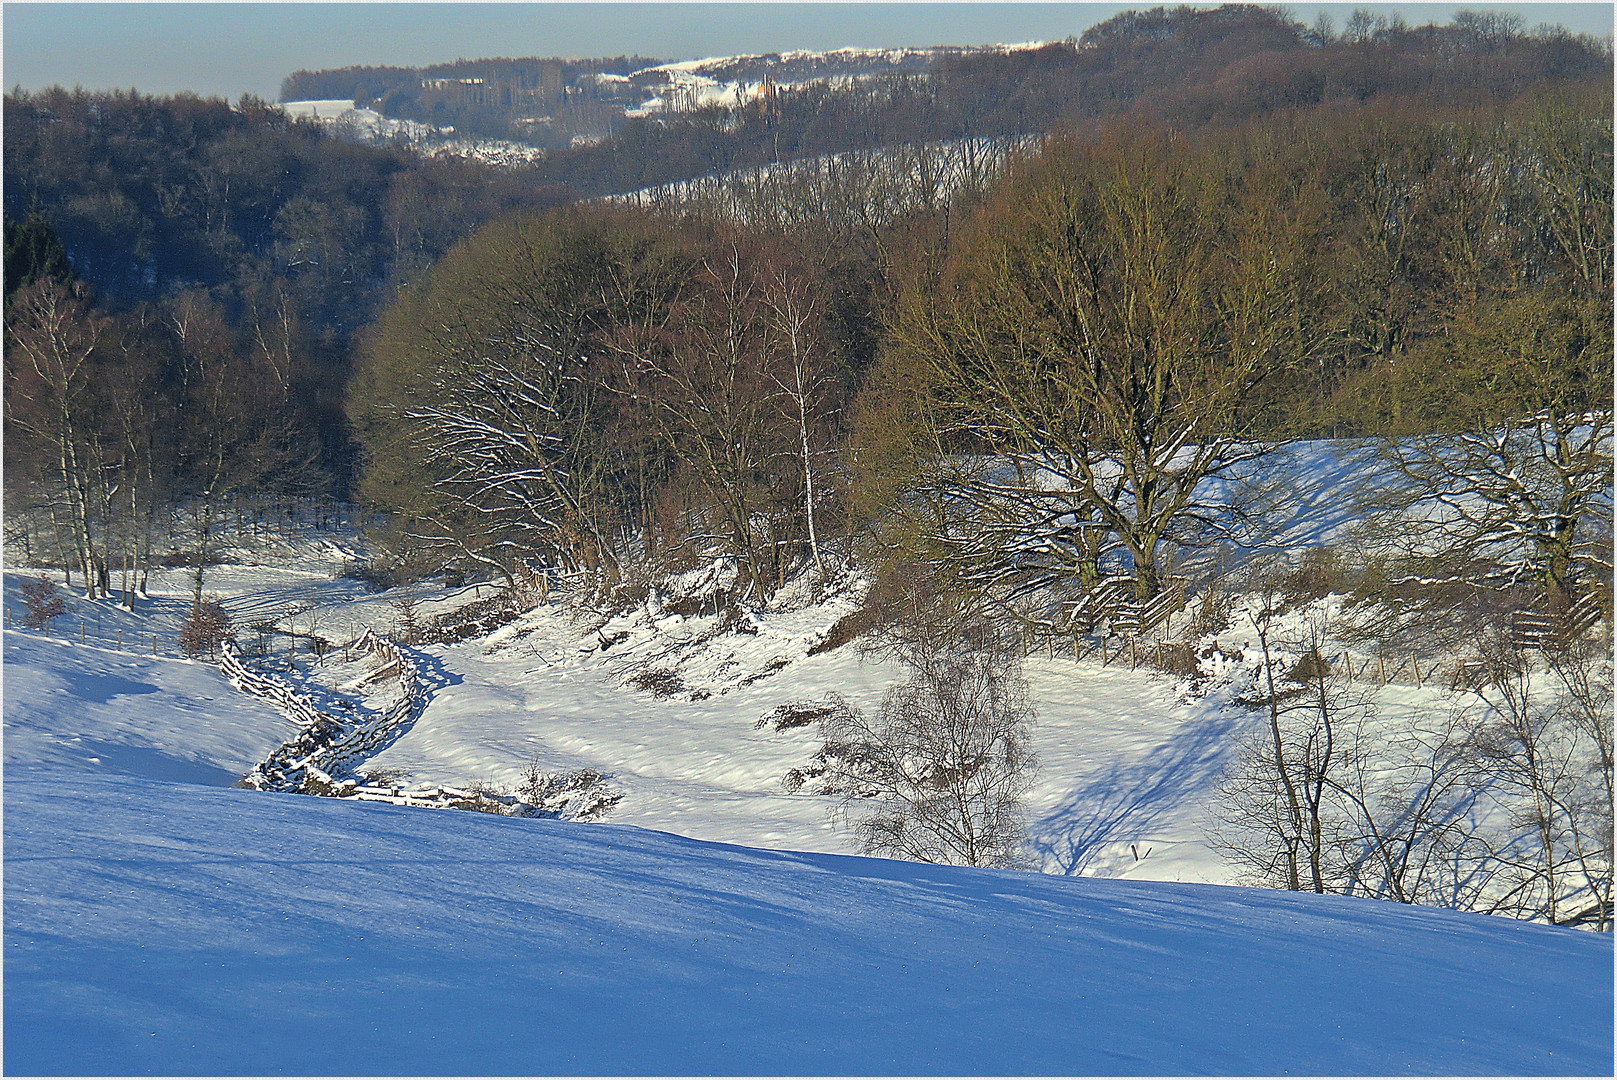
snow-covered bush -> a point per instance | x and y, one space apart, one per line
581 795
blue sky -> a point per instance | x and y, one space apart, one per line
231 49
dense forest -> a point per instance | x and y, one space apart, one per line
1244 231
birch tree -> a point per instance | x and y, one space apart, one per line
52 338
804 378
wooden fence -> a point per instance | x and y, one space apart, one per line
326 745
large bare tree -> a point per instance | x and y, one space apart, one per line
1105 333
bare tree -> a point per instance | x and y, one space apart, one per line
52 337
1277 793
1328 795
1408 813
948 758
208 626
708 375
1530 496
1502 805
1585 676
1108 333
1539 753
797 321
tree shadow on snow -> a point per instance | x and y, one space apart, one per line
431 676
1123 802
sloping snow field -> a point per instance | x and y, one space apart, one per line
153 926
158 920
156 924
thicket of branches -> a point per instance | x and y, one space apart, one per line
1502 804
1069 369
574 390
1079 380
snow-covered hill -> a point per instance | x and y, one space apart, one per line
660 90
159 926
668 709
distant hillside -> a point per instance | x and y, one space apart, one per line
614 125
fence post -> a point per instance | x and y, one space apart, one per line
120 637
154 644
81 631
1381 667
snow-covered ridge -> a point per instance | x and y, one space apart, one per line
862 60
370 126
678 86
733 81
890 178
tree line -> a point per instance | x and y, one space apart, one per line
1030 383
154 196
1183 67
1186 67
1132 310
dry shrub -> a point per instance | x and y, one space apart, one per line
1320 572
1175 658
207 628
41 603
798 714
658 682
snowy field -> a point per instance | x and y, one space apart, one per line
158 922
1128 762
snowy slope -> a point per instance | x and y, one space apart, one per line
69 708
1128 763
173 928
157 920
1125 759
368 125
